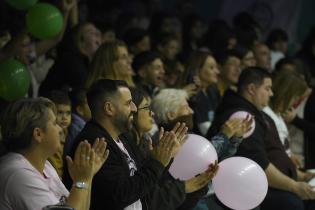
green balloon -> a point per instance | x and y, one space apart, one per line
21 4
15 80
44 21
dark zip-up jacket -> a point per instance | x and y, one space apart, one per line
113 187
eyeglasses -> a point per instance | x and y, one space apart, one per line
146 108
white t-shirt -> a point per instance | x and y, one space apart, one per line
281 128
132 169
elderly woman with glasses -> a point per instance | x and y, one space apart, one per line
170 193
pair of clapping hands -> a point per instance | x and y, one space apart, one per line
87 160
168 146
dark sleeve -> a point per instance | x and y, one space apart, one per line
113 181
193 198
254 148
203 110
304 125
168 195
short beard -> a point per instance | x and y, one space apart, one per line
123 124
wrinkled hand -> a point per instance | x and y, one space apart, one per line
289 115
180 130
101 154
166 147
304 191
198 182
81 167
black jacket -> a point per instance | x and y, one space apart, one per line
252 147
264 145
113 187
168 193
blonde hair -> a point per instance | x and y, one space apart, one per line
286 87
102 66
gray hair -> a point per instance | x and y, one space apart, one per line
167 100
21 118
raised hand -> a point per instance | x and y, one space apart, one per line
245 126
237 127
230 126
180 130
101 154
166 147
198 182
81 167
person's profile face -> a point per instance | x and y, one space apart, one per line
263 93
144 118
125 109
155 72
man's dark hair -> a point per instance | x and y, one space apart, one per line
134 35
255 75
276 35
143 59
284 61
102 90
222 56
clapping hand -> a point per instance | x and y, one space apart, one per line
166 147
198 182
101 154
237 127
81 167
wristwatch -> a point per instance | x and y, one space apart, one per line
80 185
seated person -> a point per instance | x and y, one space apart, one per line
287 187
28 181
170 107
70 131
130 180
170 193
81 112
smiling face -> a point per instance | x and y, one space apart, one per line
209 72
154 72
125 109
230 70
248 60
144 118
122 66
91 39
